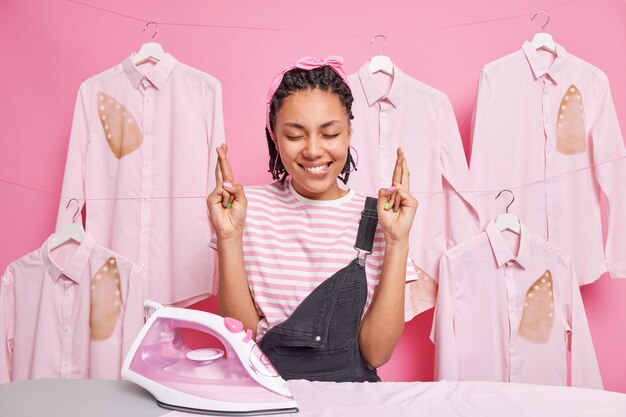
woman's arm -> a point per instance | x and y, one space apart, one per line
383 323
234 297
227 208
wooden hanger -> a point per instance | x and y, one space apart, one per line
542 39
149 50
508 221
71 231
381 62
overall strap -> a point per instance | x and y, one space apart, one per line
367 229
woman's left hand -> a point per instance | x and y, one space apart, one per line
396 205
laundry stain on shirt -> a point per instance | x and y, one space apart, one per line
570 128
538 315
120 127
106 301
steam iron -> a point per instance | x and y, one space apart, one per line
235 378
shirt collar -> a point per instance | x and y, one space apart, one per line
75 267
373 92
501 249
157 75
539 67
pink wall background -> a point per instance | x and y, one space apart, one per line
49 47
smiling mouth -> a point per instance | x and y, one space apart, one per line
316 169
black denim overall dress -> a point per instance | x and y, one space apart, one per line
319 341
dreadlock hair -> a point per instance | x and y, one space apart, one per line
324 78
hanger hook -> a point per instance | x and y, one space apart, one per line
512 196
77 209
156 29
547 21
386 42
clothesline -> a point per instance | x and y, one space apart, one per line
517 187
270 29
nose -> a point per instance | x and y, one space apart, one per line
314 148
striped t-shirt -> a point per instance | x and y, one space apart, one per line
291 244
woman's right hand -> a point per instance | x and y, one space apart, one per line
227 203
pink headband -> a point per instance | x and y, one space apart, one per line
308 63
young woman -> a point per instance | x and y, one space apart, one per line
301 259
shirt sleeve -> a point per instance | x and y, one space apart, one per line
133 310
480 155
585 370
213 242
216 136
461 219
420 291
480 120
7 326
609 157
215 131
216 264
74 178
442 333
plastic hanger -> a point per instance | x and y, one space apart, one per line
381 62
542 39
71 231
149 50
508 220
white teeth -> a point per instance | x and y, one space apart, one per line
320 168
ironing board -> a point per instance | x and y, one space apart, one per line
73 398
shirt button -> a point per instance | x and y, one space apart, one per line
145 165
143 266
144 231
145 197
66 329
66 364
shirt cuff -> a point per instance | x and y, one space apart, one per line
617 270
419 296
213 242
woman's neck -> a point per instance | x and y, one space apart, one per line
332 193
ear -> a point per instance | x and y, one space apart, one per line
276 145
